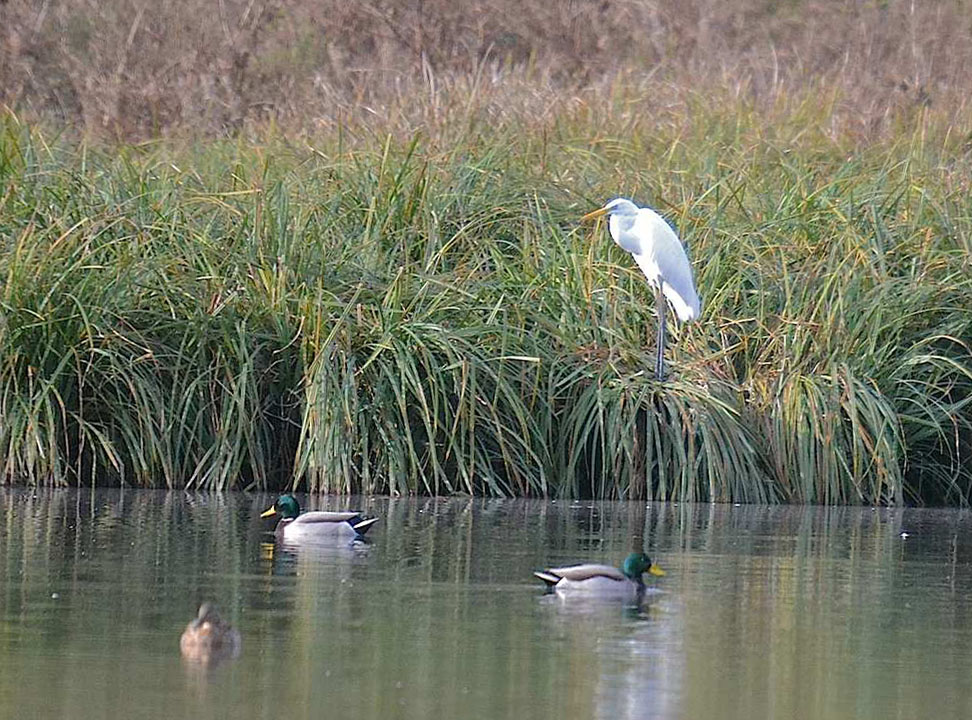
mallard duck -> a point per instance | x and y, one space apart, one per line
293 525
602 579
209 638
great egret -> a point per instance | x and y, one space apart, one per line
660 255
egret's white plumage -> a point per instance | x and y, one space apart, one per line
658 252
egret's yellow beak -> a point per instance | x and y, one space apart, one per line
655 570
596 214
271 511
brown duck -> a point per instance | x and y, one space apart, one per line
209 638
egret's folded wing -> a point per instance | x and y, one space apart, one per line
663 256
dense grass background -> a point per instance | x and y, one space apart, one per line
128 69
336 244
423 313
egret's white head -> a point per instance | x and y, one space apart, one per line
618 206
621 206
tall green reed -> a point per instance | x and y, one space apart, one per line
424 314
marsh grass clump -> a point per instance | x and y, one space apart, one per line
422 313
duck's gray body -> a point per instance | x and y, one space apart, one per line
320 524
590 578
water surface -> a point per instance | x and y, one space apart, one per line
765 612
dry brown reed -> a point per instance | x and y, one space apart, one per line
132 69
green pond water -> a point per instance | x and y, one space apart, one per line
765 612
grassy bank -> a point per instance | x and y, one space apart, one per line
421 312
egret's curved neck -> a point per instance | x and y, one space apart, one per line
620 225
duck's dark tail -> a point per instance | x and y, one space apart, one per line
361 527
548 578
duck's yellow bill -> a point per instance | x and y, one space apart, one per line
271 511
591 215
655 570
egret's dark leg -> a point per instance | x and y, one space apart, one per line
660 308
